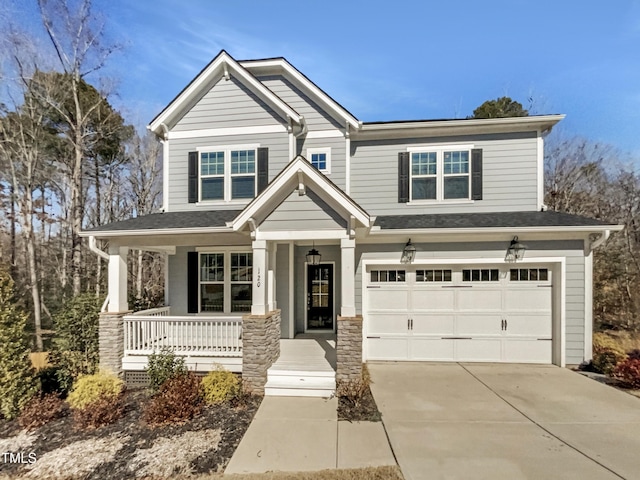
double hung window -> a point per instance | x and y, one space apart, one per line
225 282
440 174
227 173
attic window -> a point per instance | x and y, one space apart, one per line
320 158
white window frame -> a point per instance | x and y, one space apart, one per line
227 149
327 152
226 310
439 150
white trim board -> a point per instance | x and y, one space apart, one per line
229 131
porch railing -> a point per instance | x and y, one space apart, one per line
149 331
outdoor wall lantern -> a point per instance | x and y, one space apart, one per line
409 253
516 250
313 257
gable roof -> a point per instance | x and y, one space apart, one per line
222 65
300 173
281 65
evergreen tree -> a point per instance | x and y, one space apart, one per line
17 380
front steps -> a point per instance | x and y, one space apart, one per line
306 368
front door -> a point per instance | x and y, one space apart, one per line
320 297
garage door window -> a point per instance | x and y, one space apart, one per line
480 275
433 275
529 275
388 276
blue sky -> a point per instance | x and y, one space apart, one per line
397 59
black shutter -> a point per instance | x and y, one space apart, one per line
403 177
192 282
476 174
263 169
193 177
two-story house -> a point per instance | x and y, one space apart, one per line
290 227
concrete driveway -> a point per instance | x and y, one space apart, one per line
487 421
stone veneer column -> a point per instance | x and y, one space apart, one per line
349 349
111 341
260 348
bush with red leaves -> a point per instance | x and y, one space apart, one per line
103 411
180 398
41 410
628 371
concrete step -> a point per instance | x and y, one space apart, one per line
300 385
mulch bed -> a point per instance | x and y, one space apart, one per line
365 411
232 419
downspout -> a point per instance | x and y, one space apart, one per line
94 248
165 167
600 240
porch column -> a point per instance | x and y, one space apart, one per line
348 280
271 277
118 279
259 304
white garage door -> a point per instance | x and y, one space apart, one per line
475 313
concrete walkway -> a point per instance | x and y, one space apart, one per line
298 434
511 422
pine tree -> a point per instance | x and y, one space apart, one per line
17 380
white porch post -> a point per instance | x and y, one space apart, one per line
260 302
118 279
271 278
348 280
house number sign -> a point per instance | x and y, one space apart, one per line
258 278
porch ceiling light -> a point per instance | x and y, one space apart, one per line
516 250
409 253
313 257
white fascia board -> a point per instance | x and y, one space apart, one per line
216 67
467 126
375 231
325 134
154 232
278 189
306 84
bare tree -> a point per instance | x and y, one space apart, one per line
77 37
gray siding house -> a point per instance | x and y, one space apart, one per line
301 241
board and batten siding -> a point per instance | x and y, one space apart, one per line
509 174
227 104
306 212
277 143
315 117
572 250
338 147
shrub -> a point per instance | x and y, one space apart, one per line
180 398
220 386
628 371
634 354
41 410
163 366
75 345
353 391
49 381
89 389
606 353
17 381
101 412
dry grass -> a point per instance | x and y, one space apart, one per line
370 473
626 340
40 360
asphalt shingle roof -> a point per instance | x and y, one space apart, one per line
154 221
486 220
